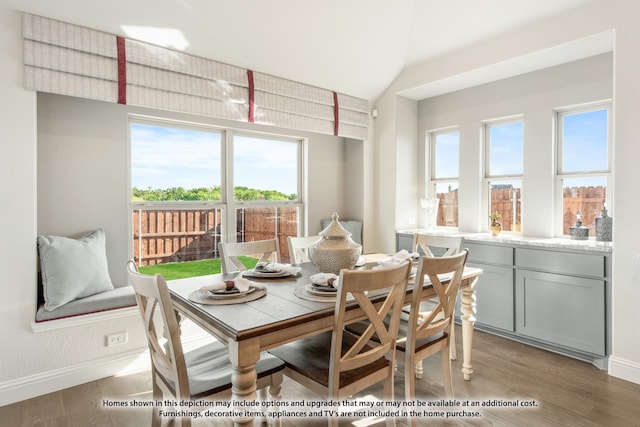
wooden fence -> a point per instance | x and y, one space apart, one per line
588 200
174 235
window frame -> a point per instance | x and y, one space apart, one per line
431 180
561 175
489 178
227 205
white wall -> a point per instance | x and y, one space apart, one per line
64 171
534 96
583 22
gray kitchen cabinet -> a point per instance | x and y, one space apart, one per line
494 290
561 298
550 293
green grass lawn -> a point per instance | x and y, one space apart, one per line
180 270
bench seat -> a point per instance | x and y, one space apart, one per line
120 297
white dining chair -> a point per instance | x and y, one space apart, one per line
263 250
200 373
298 248
427 333
432 245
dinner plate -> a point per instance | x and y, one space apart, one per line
255 273
321 293
227 294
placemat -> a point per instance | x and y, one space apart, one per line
201 298
301 292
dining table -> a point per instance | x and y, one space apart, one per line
283 310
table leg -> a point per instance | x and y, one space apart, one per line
243 355
468 308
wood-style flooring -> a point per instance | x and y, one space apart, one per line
568 393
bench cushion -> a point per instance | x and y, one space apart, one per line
117 298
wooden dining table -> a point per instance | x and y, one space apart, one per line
282 316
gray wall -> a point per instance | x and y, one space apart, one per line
535 96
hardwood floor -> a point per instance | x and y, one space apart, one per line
567 393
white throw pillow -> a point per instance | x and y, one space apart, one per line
73 268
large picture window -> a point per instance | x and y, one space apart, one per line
503 171
193 186
584 164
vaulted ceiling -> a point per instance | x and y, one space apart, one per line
357 47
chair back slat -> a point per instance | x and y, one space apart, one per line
298 248
427 244
265 250
445 275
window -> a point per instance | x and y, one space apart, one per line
503 171
443 182
584 164
193 186
266 192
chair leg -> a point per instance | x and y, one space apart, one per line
156 421
446 372
388 394
409 384
452 349
275 389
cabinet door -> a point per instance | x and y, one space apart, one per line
564 310
404 241
494 297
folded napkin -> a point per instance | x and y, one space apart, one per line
240 284
325 279
404 254
274 267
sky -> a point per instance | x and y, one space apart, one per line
583 140
164 157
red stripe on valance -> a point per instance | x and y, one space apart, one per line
336 121
122 71
252 92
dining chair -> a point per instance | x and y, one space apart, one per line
426 333
298 248
431 245
264 250
204 372
336 364
441 245
353 226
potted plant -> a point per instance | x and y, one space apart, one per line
496 226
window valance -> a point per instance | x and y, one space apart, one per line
71 60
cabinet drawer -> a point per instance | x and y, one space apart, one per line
592 265
489 254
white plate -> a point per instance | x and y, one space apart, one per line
312 291
254 273
227 294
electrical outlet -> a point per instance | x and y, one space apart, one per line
116 339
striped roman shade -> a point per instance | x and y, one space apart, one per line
72 60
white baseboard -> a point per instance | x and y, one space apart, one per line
624 369
19 389
47 382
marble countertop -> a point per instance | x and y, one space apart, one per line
517 239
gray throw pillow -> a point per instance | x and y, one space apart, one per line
73 268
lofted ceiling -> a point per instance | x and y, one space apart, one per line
357 47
